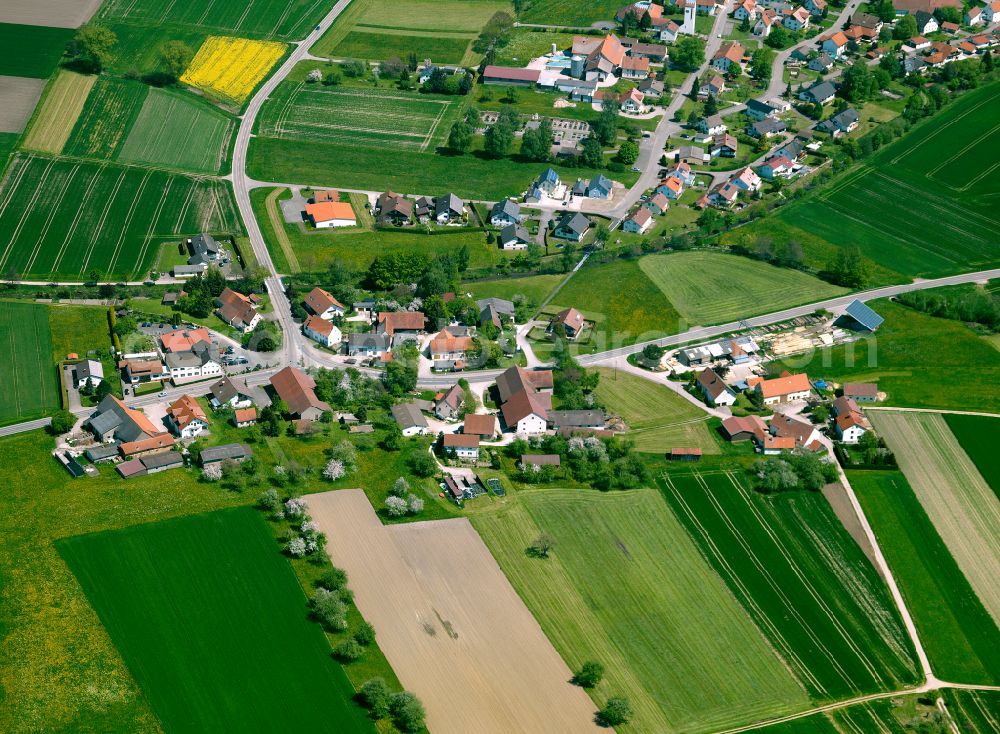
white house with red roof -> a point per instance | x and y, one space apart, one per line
788 388
322 331
324 305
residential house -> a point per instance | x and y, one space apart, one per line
926 22
409 419
423 209
394 208
510 76
401 325
503 308
725 146
729 53
795 20
571 320
822 63
322 331
722 195
683 172
448 404
713 87
540 460
816 8
746 179
323 304
651 88
572 226
88 371
185 418
819 93
237 310
765 22
115 421
184 340
135 371
715 390
743 428
692 155
449 209
525 397
448 351
711 125
505 212
329 214
861 392
514 237
368 345
231 393
785 389
483 425
866 20
204 250
298 390
668 31
759 110
671 187
548 182
639 222
200 362
657 204
600 187
462 446
803 434
635 67
841 123
237 452
850 427
746 10
777 166
632 103
974 16
792 150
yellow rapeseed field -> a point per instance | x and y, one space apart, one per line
232 67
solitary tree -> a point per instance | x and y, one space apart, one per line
542 546
407 711
616 711
91 49
589 675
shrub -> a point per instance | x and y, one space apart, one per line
407 711
395 506
348 651
333 470
212 473
328 608
414 505
296 547
365 634
374 696
333 579
401 488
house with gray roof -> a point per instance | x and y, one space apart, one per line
204 249
448 209
514 237
819 93
368 345
600 187
505 212
226 452
841 123
573 226
576 419
766 128
409 418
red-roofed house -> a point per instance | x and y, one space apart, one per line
322 331
324 305
571 320
186 418
785 389
298 390
331 214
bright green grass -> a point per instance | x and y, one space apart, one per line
626 586
109 113
63 217
525 45
711 288
78 329
369 43
803 579
212 622
658 418
979 436
444 15
26 372
283 19
975 712
533 287
908 358
351 166
178 131
568 12
31 50
138 48
959 635
625 304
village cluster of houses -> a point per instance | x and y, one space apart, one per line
397 210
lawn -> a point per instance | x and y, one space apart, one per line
64 217
533 287
802 578
526 44
78 330
32 50
625 304
225 666
979 436
959 635
919 207
626 586
568 12
470 176
908 358
963 508
380 43
55 117
27 374
658 418
461 15
178 131
712 288
288 19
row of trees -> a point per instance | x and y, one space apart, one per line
799 470
93 49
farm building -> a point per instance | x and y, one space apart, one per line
481 424
226 452
861 392
685 454
785 389
863 316
297 389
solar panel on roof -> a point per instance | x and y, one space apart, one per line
864 315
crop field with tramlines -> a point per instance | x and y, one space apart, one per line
26 372
802 578
370 117
259 18
927 204
65 217
975 712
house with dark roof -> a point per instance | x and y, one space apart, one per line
500 308
715 390
505 212
88 370
600 187
819 93
237 452
204 249
115 421
766 128
574 419
514 237
367 345
409 419
573 226
841 123
449 209
394 208
757 109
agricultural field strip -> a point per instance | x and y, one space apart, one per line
129 13
961 505
914 146
969 146
981 710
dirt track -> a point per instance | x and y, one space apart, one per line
450 624
55 13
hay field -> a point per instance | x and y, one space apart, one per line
626 586
63 104
803 580
450 624
56 13
659 419
712 288
211 621
26 372
18 97
957 499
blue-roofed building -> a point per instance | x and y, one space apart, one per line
548 181
863 315
600 187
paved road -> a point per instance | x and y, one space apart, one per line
831 304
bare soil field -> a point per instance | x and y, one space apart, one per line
959 502
18 97
57 117
450 624
54 13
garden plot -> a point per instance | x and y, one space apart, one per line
954 494
450 624
371 118
18 97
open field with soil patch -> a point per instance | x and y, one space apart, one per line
803 580
225 665
955 496
58 13
31 50
936 378
448 621
979 436
713 288
18 97
658 418
290 19
26 373
62 105
66 217
961 639
625 586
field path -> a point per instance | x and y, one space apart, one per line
450 623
